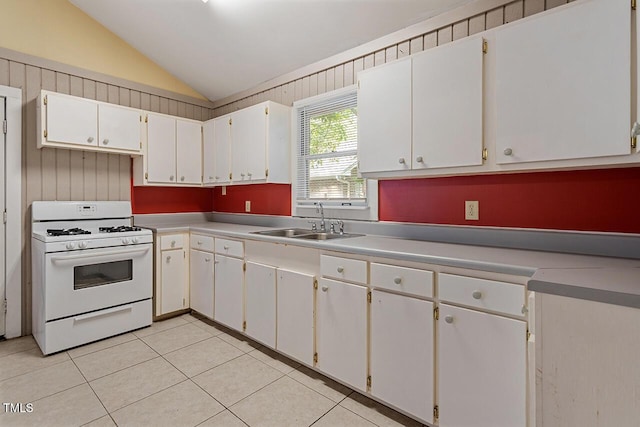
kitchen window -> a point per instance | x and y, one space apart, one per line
326 159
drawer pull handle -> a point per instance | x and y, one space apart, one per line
226 248
325 288
476 294
207 260
173 243
340 269
169 258
448 319
199 242
397 280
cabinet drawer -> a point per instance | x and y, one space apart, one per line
352 270
202 243
171 241
229 247
481 293
402 279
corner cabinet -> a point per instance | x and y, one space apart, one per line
70 122
171 290
172 152
249 146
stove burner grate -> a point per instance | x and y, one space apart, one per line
120 229
66 231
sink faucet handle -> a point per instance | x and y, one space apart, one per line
332 227
341 225
314 226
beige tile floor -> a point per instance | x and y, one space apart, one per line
178 372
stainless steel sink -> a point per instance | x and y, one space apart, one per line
326 236
301 233
287 232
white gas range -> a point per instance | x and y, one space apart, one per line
92 272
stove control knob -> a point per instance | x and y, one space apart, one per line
134 240
82 245
70 246
125 241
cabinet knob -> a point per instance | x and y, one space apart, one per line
173 243
216 262
105 141
210 178
242 175
448 319
419 159
90 139
397 280
226 248
168 258
207 260
171 178
340 269
508 151
401 160
199 242
182 178
325 288
476 294
217 177
524 309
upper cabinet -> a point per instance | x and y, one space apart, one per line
173 152
249 146
423 112
563 87
71 122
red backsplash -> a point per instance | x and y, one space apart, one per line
147 200
588 200
266 199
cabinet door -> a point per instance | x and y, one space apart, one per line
342 332
201 282
563 85
447 105
295 315
482 369
384 117
161 149
222 150
229 292
173 280
260 303
189 152
248 139
119 128
402 371
72 120
208 152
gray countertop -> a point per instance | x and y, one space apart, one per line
604 279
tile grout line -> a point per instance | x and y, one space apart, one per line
36 369
92 390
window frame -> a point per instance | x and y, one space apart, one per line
365 212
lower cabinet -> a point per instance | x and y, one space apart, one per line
402 353
342 332
171 288
482 369
229 291
295 326
201 282
260 303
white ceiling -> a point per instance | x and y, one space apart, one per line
224 47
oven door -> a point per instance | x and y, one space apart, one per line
92 279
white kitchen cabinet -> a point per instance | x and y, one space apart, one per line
481 369
562 84
77 123
217 151
295 319
201 282
341 328
447 105
384 117
173 152
260 303
402 353
261 144
172 275
229 284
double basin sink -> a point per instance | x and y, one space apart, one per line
301 233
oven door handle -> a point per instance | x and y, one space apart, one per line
102 313
70 258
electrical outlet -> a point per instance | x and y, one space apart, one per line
471 210
247 206
224 190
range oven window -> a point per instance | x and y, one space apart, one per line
87 276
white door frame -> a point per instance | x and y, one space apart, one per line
13 228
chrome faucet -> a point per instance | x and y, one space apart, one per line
320 210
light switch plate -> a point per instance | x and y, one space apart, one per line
471 210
